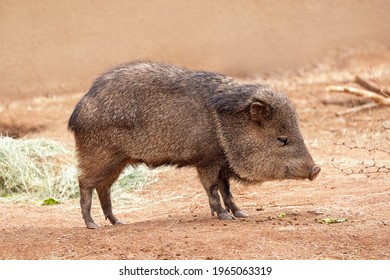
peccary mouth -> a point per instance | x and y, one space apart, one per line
288 174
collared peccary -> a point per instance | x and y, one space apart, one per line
159 114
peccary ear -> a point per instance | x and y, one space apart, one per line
260 111
234 99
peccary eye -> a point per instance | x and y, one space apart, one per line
283 140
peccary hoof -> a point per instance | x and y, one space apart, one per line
91 225
118 223
240 214
225 216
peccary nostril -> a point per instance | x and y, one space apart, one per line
314 172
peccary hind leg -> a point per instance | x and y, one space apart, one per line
103 182
86 203
105 201
209 179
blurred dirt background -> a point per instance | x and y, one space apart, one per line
51 47
50 51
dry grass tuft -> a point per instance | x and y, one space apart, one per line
38 169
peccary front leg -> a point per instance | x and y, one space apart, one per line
209 179
230 205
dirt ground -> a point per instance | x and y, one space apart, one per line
52 47
170 219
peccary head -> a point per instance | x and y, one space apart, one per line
258 130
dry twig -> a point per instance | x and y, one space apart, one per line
381 100
357 109
371 87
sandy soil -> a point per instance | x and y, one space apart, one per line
170 219
55 47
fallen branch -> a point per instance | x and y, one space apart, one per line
362 93
357 109
372 87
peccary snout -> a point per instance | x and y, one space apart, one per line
314 172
